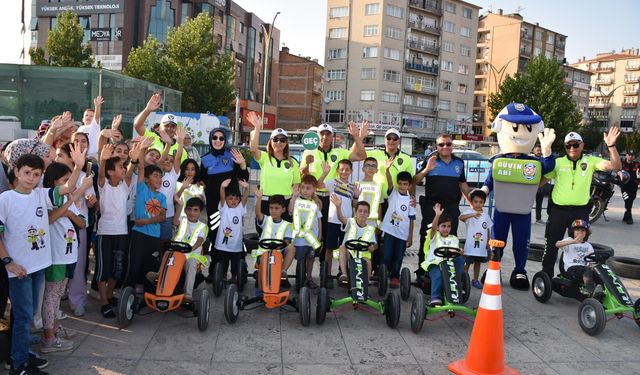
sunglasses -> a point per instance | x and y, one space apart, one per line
572 145
395 139
279 140
443 144
369 165
215 138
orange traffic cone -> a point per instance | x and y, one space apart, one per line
486 347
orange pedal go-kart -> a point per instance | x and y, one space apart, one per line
169 290
269 279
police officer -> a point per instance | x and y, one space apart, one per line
629 189
167 125
571 192
445 183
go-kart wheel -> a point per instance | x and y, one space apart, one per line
231 300
392 309
324 273
636 314
126 306
304 305
465 280
542 288
405 284
322 306
592 316
301 274
418 311
383 280
240 276
218 284
203 310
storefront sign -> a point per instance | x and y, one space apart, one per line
101 34
84 8
110 62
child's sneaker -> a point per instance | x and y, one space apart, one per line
394 283
107 311
598 292
78 311
27 369
34 361
435 302
476 284
311 284
343 280
60 315
65 333
56 345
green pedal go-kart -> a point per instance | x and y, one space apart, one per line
593 312
455 292
359 288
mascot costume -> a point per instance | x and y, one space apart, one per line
514 178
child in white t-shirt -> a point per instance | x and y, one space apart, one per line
479 226
190 186
171 167
575 249
229 237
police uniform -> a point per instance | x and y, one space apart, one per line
630 188
277 177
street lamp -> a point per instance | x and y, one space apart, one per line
267 60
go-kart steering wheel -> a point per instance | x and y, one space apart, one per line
447 252
181 247
272 244
596 257
357 245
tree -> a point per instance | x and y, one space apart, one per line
64 44
190 62
591 136
541 87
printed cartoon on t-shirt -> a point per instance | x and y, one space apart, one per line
477 239
397 219
153 207
35 237
69 238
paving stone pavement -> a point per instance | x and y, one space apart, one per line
539 339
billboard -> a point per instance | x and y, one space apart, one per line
48 9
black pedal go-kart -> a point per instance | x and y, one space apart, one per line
358 272
168 292
455 290
269 277
593 312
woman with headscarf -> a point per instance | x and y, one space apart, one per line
219 164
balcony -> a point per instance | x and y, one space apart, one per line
419 110
630 92
631 79
627 117
604 81
424 89
429 48
479 104
600 116
632 67
414 25
426 5
598 93
560 45
422 68
525 53
599 105
526 36
630 105
605 69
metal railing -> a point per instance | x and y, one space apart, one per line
422 68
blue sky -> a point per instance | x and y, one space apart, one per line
591 26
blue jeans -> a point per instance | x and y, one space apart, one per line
436 276
24 299
393 254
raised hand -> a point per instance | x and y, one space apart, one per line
116 136
431 163
107 152
115 123
326 168
244 184
238 158
164 136
145 142
134 153
353 129
107 133
364 129
257 193
78 156
389 162
154 103
187 182
255 120
336 200
438 209
226 183
546 139
98 101
356 191
181 133
611 137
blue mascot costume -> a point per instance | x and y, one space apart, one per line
514 179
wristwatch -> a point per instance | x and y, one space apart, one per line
6 260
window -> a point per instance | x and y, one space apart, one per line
445 105
369 52
465 31
367 95
447 66
393 33
335 54
467 13
537 51
461 107
368 73
538 35
370 9
338 33
424 102
448 47
394 11
391 75
390 97
407 100
161 19
337 74
391 118
450 7
335 95
463 69
334 115
465 51
446 85
449 26
462 88
360 115
548 54
393 54
184 13
240 28
203 8
370 30
550 39
339 12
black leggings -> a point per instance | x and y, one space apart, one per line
560 219
580 272
226 257
144 256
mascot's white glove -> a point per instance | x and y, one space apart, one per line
485 188
546 139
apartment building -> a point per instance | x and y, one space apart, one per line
579 82
383 64
615 80
505 43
